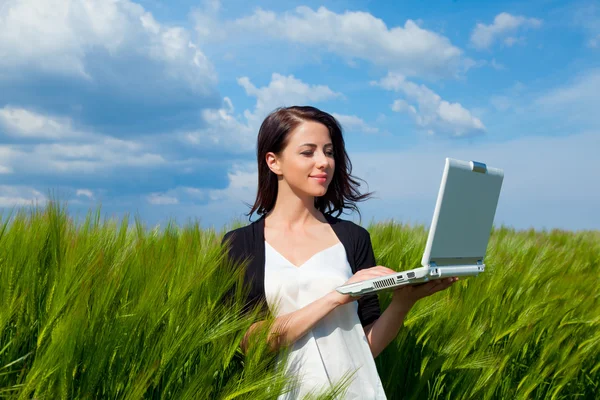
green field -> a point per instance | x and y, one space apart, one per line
92 309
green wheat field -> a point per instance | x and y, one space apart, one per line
102 308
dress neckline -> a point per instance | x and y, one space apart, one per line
330 220
309 259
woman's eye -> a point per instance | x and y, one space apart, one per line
308 153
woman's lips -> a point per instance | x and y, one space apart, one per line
320 180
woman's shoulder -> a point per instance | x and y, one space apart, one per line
237 242
357 241
348 226
245 234
236 234
341 225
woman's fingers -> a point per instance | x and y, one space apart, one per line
442 284
427 288
376 272
434 286
385 270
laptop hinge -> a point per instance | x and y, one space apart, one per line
437 270
450 261
432 264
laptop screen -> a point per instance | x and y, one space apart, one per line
464 213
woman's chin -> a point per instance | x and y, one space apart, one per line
319 193
316 190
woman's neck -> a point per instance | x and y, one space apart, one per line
293 218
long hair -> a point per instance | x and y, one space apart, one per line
273 136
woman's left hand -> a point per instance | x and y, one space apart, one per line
408 295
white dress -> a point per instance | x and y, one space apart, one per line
337 343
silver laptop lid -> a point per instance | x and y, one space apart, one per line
464 214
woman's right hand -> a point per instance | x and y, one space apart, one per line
362 275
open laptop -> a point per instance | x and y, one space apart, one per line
459 232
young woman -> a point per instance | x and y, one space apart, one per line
299 253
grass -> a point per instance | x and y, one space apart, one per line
98 310
526 328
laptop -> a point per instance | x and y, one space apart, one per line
459 232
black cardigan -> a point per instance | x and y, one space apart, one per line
249 242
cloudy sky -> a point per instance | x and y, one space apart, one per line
152 108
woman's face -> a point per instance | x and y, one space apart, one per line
308 155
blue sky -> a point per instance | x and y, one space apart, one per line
152 108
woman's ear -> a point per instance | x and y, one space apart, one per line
273 163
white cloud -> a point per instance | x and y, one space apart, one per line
483 36
11 196
223 130
93 158
11 156
212 206
496 65
66 32
90 153
84 192
282 91
206 21
409 49
431 113
7 155
354 123
391 81
20 122
161 199
584 89
586 16
242 184
511 40
243 177
237 134
401 105
573 103
96 153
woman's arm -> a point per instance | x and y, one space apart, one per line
381 332
288 328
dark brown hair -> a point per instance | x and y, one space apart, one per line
273 136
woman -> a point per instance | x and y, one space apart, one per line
299 253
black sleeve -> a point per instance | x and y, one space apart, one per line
234 250
226 245
368 305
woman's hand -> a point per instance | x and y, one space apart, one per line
408 295
362 275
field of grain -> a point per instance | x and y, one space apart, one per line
92 309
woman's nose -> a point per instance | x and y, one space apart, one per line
322 160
